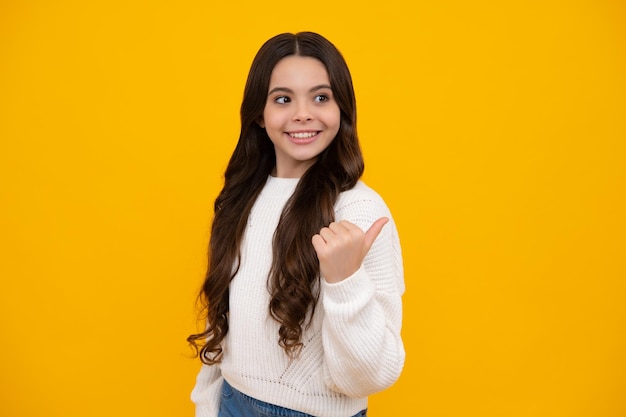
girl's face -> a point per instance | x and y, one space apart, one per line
301 116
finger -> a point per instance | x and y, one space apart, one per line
338 227
350 227
373 232
326 233
318 244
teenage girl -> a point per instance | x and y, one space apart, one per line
303 290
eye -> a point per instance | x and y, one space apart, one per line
321 98
282 100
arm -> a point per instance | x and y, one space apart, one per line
363 350
207 392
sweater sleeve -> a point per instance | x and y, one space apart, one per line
363 349
207 391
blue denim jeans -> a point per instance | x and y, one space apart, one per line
237 404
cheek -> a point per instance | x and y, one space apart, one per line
273 120
336 118
330 115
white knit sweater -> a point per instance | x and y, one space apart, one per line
353 347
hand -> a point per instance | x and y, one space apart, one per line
341 248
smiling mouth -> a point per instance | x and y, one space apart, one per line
303 135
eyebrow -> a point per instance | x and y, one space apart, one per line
290 91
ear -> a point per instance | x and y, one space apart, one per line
260 122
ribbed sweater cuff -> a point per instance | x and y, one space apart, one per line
350 295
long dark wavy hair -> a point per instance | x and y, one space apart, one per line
294 276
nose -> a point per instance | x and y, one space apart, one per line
302 113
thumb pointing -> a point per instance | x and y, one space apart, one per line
373 232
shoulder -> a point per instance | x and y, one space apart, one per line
361 202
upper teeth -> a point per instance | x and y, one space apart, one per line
303 135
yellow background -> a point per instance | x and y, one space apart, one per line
496 132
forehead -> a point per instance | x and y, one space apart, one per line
296 70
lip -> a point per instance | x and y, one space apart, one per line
303 141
